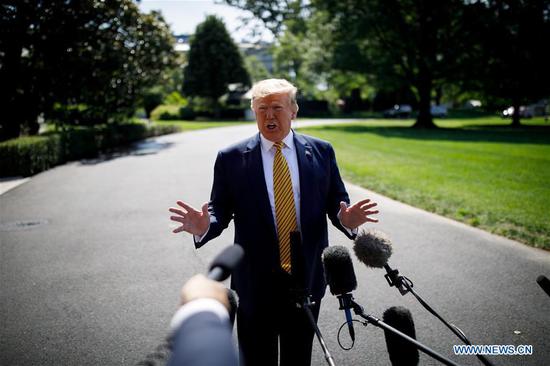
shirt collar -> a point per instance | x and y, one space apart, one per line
288 141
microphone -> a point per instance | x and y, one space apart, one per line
233 304
341 279
544 283
297 261
225 262
401 352
374 249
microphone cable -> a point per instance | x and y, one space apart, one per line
353 340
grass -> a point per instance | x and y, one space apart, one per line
200 125
478 171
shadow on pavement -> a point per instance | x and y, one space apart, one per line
137 149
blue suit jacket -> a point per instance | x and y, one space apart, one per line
203 340
239 192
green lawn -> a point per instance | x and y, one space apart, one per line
479 171
200 125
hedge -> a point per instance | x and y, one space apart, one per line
29 155
26 156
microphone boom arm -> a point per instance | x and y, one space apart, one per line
404 285
358 309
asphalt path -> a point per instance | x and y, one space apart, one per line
90 270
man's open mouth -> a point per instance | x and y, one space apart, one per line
271 126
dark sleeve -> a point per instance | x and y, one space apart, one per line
337 193
221 204
203 340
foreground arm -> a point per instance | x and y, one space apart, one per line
202 335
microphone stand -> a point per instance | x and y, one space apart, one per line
301 292
358 310
303 301
405 285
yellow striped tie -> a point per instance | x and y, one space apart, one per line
284 205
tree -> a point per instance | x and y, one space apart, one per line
512 59
214 63
394 44
93 58
256 69
413 43
274 14
151 100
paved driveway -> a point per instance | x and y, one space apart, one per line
90 270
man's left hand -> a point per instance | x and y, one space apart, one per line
356 215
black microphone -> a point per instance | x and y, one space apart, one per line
225 262
544 283
374 249
233 304
341 279
401 352
297 261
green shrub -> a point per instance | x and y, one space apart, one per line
29 155
158 130
187 114
176 98
78 143
165 113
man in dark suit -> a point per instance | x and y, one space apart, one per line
272 184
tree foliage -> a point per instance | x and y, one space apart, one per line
256 69
95 57
412 43
492 47
214 62
512 61
275 14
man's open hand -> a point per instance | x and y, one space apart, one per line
356 215
192 221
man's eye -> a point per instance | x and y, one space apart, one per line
262 108
278 108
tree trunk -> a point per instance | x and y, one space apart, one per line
424 119
217 108
515 115
438 95
426 55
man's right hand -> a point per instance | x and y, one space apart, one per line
192 221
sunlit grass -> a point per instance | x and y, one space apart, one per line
484 173
200 125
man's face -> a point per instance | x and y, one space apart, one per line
274 114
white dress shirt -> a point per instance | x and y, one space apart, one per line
268 156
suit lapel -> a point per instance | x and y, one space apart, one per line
304 156
256 181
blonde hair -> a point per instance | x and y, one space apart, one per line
266 87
